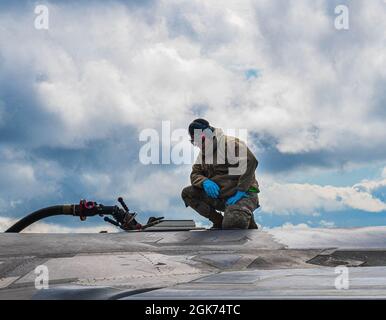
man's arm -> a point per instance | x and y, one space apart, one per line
197 176
247 164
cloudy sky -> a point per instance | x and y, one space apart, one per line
74 99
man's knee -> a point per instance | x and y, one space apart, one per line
236 218
186 195
190 193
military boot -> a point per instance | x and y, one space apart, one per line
252 223
216 219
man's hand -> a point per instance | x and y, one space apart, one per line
211 188
237 197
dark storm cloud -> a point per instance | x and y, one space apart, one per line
274 161
23 122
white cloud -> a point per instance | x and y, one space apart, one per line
327 224
296 198
160 191
144 190
23 179
370 185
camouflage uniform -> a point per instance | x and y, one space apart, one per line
237 216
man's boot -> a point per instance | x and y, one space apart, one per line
208 212
216 219
252 223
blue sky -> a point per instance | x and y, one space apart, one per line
74 98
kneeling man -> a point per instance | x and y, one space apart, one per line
223 179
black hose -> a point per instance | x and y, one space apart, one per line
38 215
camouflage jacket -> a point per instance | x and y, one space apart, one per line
232 166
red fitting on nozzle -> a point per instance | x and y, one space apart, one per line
83 206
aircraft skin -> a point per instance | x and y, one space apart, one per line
195 264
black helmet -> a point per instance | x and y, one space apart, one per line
198 124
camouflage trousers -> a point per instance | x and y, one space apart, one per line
237 216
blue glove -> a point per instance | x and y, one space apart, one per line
237 197
211 188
